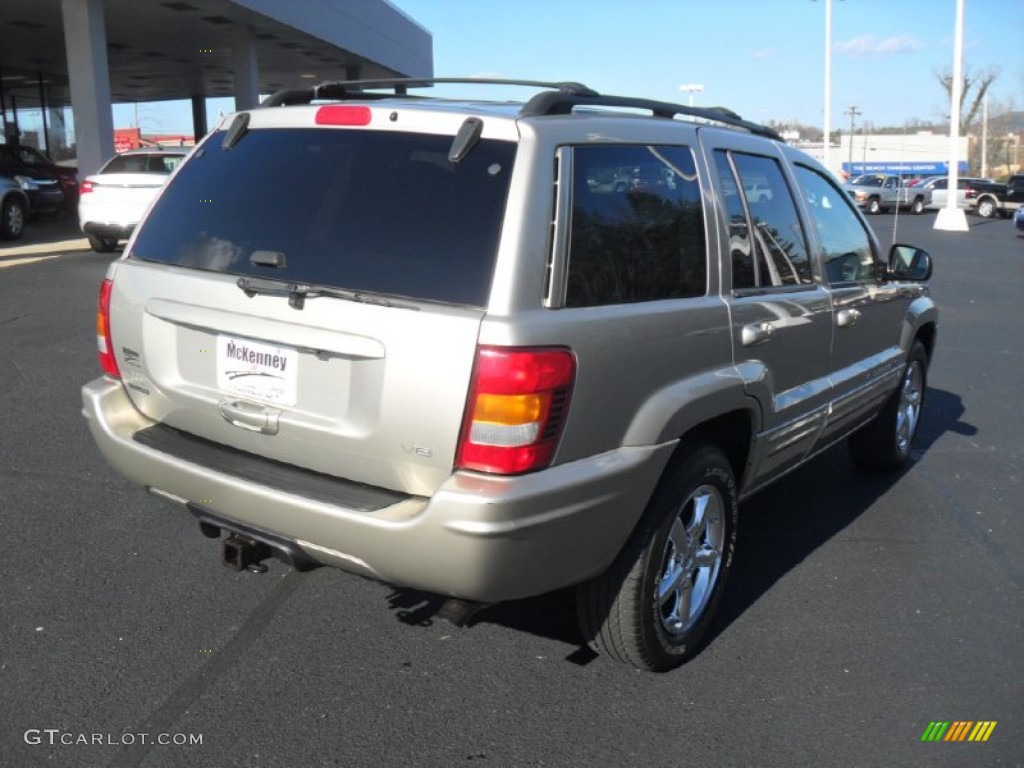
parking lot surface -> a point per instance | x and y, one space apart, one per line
861 609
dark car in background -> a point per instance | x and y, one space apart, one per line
31 164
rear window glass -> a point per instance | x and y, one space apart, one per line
377 211
155 163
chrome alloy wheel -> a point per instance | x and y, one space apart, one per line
15 216
908 412
691 560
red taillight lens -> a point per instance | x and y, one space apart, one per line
87 187
518 402
103 343
343 115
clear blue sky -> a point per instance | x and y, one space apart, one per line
761 58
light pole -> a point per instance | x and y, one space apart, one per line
691 88
951 217
828 86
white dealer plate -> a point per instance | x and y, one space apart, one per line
259 371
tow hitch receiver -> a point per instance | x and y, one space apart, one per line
240 553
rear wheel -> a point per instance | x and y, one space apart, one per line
12 218
885 442
657 599
102 244
986 207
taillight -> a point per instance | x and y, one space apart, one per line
517 406
103 343
86 188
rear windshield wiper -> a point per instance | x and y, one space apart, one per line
297 293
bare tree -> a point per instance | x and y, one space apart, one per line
979 82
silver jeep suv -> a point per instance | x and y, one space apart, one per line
428 342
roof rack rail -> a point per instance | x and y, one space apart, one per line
339 90
555 103
560 99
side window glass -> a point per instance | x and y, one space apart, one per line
846 246
775 225
742 248
637 231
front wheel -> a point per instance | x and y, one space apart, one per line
657 599
885 442
917 206
874 206
12 219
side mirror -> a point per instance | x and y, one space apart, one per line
907 262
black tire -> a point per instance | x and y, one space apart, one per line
102 244
917 207
987 207
885 442
874 206
13 215
680 553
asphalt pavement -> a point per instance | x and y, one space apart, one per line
861 608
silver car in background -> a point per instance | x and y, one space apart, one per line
939 188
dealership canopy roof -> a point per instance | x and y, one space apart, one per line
177 49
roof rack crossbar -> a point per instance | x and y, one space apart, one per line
556 103
339 90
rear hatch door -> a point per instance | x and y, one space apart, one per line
314 295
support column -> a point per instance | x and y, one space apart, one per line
199 128
85 39
246 69
42 113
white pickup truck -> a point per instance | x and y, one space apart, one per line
875 193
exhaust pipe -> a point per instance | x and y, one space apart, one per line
241 553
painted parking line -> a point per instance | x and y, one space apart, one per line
27 260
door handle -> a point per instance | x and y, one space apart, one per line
756 333
847 317
255 418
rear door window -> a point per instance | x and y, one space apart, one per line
375 211
771 250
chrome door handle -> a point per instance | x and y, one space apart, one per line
847 317
756 333
255 418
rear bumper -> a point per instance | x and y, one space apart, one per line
108 229
479 537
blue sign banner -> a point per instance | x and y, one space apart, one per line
905 168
